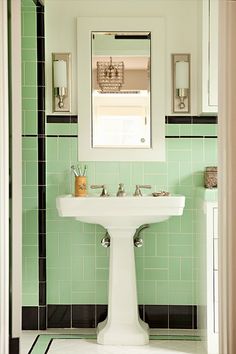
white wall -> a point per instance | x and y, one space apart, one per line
182 32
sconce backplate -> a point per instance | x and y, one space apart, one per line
67 98
176 106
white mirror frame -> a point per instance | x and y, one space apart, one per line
156 26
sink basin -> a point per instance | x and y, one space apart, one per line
121 216
120 212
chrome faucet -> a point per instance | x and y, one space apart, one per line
138 192
104 190
121 191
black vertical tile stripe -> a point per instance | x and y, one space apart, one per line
42 310
43 317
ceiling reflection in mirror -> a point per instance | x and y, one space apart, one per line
121 70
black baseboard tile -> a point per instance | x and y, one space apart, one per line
182 317
30 318
88 316
14 345
83 316
101 313
59 316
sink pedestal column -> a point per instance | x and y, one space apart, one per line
123 325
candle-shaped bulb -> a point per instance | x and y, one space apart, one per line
59 72
182 75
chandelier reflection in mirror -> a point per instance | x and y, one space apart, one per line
110 75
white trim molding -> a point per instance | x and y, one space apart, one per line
16 109
4 182
227 176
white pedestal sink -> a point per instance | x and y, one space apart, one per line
121 216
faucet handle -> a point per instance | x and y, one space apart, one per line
104 192
121 190
138 192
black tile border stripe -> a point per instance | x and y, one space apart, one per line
88 316
62 119
168 119
48 347
34 343
42 308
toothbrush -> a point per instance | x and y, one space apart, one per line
79 169
85 170
74 170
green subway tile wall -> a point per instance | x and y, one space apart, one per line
77 265
29 155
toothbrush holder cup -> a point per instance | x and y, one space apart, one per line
80 186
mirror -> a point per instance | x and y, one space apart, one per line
121 86
121 89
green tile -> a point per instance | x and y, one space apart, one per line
65 292
29 24
102 262
28 43
29 55
162 241
89 268
30 155
186 129
30 239
205 129
29 203
186 269
177 155
29 92
83 297
174 268
162 292
29 143
30 221
139 268
180 239
197 150
156 274
86 286
137 173
29 299
53 292
173 175
30 74
149 244
101 292
187 221
185 173
181 250
29 104
29 191
181 293
210 151
156 262
102 274
149 292
173 129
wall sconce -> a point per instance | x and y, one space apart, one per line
181 83
61 80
